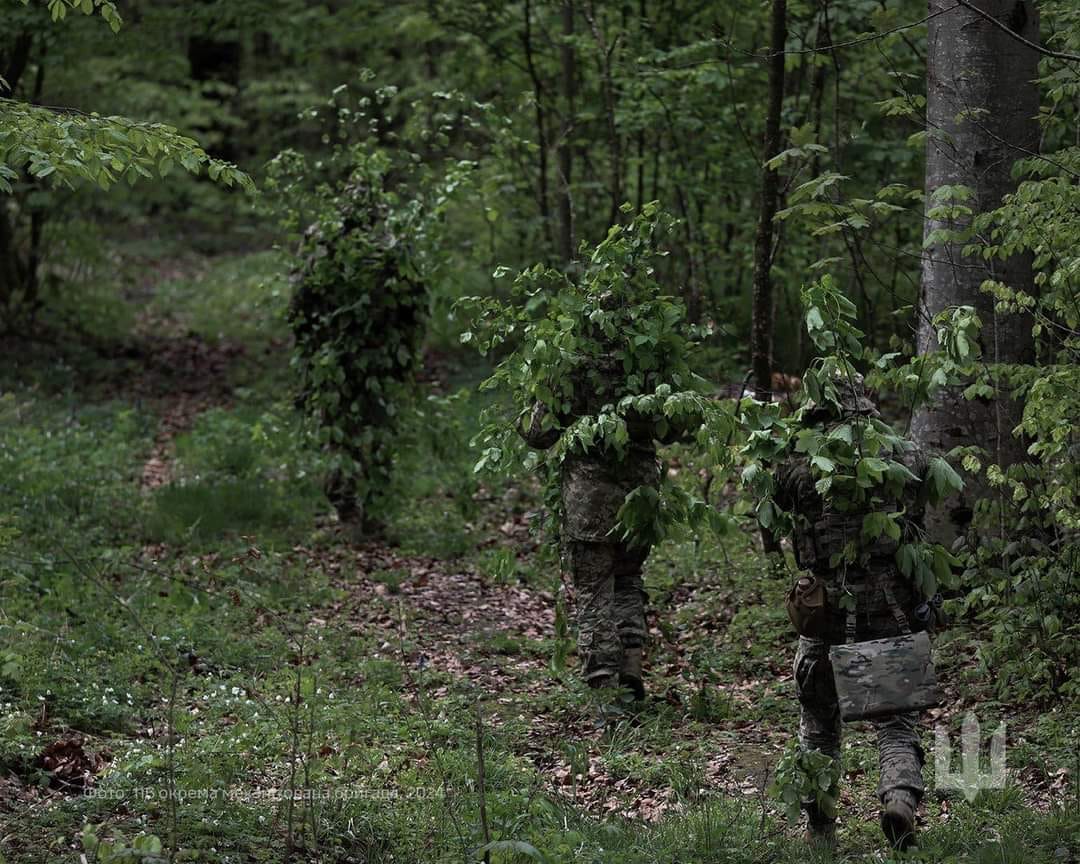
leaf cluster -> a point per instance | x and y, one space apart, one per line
806 775
857 462
357 314
606 358
68 148
369 221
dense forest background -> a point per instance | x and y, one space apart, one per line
566 115
179 607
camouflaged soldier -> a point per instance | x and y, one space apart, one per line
349 260
606 569
885 601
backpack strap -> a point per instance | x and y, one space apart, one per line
894 607
849 622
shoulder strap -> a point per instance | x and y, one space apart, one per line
894 607
849 623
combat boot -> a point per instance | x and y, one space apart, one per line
820 829
630 675
898 817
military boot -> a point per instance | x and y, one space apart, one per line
898 817
630 673
820 829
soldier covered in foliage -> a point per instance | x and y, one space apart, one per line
881 603
357 314
605 565
599 377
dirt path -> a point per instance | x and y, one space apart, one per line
459 624
463 625
181 376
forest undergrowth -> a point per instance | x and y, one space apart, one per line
197 662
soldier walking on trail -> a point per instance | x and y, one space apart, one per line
602 372
606 568
885 602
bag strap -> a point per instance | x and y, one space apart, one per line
849 623
894 607
890 598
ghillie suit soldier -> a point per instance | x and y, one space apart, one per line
606 567
357 314
601 372
881 602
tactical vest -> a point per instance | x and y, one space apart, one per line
817 540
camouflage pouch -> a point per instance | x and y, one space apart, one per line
884 676
808 607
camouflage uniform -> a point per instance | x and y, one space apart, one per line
880 592
605 568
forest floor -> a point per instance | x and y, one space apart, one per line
193 649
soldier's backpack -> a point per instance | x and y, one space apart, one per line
884 676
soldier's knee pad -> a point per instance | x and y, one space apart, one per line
814 684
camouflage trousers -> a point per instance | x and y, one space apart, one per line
610 603
900 748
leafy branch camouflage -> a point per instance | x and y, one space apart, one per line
603 364
357 314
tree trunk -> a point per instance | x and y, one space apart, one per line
761 323
643 19
541 127
15 64
607 93
761 326
566 153
982 104
11 276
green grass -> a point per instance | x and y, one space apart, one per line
236 298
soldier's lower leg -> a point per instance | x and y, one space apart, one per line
598 640
819 720
901 754
630 616
901 785
342 491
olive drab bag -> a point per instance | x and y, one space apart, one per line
884 676
808 607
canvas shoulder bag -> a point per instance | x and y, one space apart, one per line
884 676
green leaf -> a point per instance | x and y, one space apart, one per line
766 514
841 433
943 480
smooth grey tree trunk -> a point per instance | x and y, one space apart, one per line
982 105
